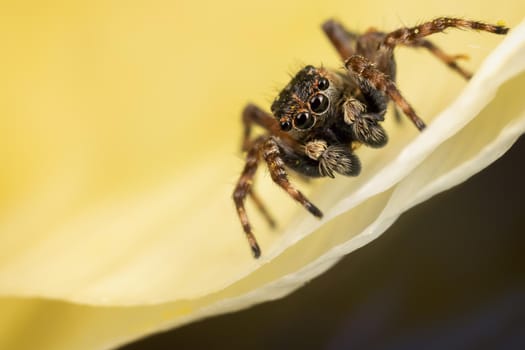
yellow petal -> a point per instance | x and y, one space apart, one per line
119 137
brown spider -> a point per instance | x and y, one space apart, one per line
322 114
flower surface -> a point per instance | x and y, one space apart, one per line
119 139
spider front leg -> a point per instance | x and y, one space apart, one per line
255 115
269 149
367 75
273 158
244 188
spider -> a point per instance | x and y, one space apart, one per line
322 115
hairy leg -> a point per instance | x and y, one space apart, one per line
343 40
367 75
449 60
244 188
255 115
262 208
406 36
272 156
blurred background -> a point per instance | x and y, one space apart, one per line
449 274
104 99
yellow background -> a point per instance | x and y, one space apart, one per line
102 99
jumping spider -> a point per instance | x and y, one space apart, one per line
322 114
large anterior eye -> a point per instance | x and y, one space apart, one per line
303 120
319 103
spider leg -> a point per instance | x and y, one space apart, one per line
343 40
244 188
367 75
450 61
406 36
262 208
272 156
397 114
255 115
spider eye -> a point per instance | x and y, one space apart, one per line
286 125
319 103
303 121
323 84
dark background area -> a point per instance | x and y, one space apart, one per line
449 274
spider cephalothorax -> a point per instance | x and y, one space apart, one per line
307 101
322 114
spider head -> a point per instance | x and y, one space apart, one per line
307 100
